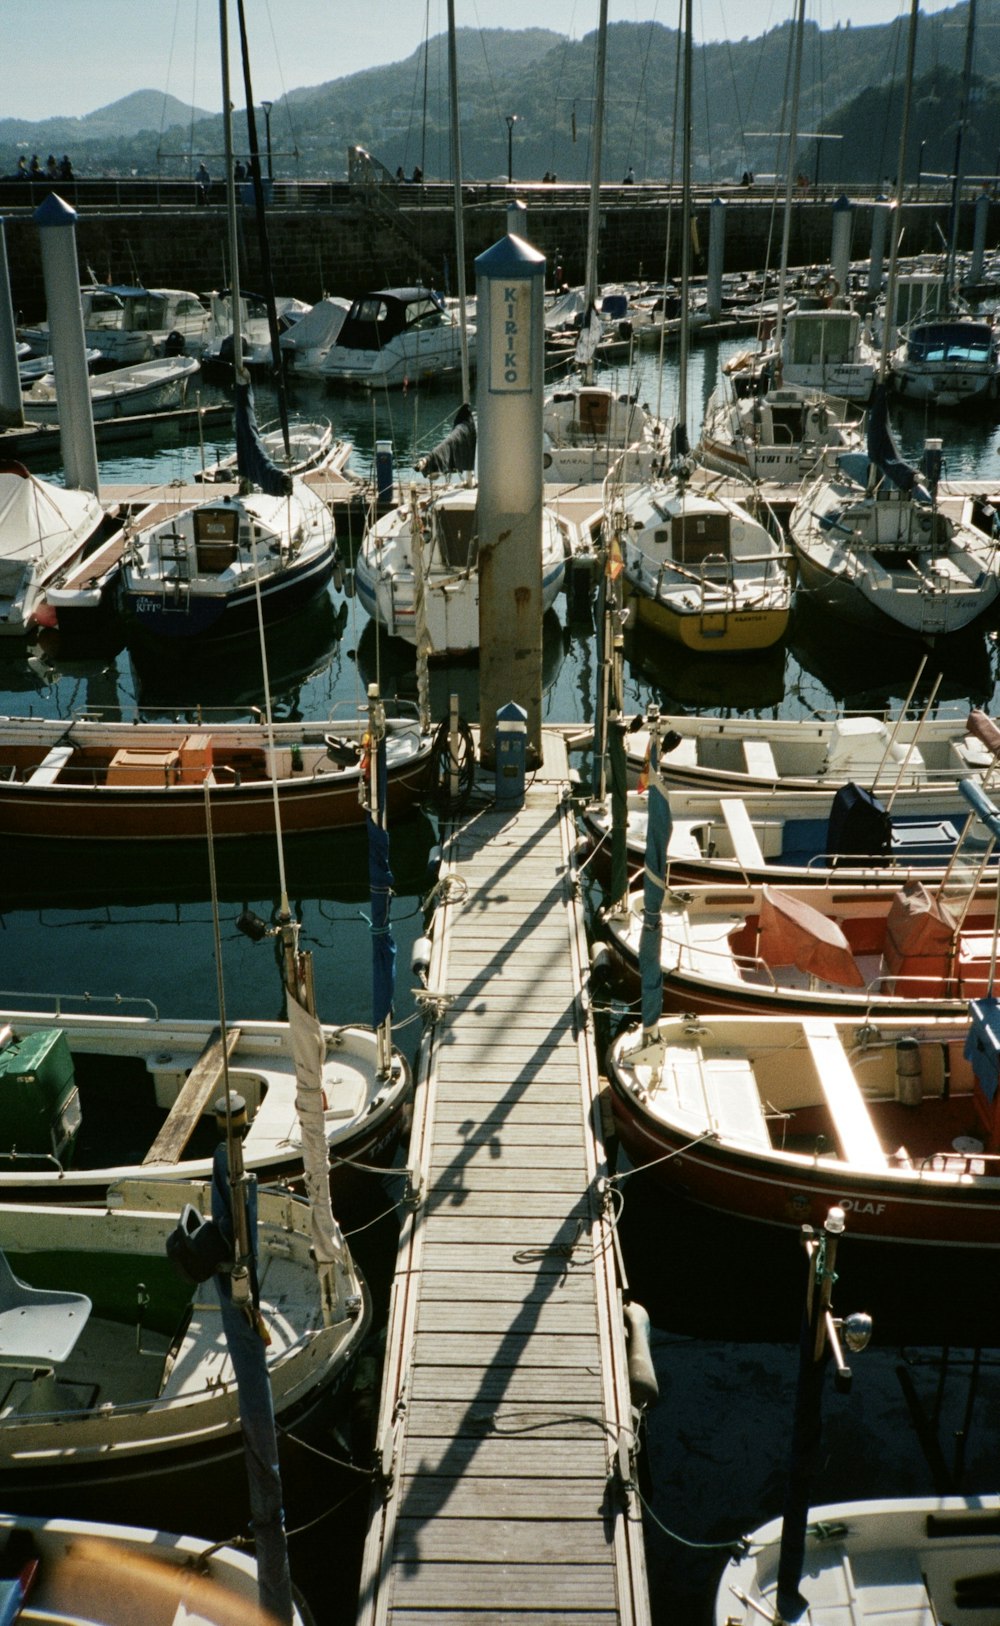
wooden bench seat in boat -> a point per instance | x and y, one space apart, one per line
200 1085
746 847
848 1110
759 759
51 765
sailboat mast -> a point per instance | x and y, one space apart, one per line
963 119
682 437
904 131
793 136
456 171
227 129
597 144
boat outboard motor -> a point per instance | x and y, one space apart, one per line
859 825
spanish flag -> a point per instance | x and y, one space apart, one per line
642 784
614 564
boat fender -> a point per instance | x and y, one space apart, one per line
643 1386
338 571
420 959
6 1036
434 864
600 963
348 583
820 419
909 1073
173 344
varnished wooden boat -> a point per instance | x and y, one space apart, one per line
88 779
777 1120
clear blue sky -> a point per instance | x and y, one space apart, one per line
72 56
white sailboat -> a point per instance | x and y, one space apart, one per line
871 542
417 571
588 427
697 567
782 430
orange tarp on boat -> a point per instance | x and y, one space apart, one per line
919 933
794 933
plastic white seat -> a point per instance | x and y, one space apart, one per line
37 1324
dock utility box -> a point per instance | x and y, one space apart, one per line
39 1101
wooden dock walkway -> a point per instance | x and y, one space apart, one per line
506 1425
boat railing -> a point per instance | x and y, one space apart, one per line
951 1162
14 1001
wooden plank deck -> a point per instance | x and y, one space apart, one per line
505 1421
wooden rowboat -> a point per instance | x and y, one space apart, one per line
87 779
776 1120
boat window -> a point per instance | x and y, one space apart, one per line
143 314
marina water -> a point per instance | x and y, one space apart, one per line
724 1311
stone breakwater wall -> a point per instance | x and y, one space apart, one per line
341 241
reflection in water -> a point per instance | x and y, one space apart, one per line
298 652
838 668
325 866
392 664
680 680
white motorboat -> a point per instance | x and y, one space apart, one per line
826 349
911 1560
780 436
131 324
43 529
306 344
396 336
149 386
952 361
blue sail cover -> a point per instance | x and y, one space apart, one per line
252 461
658 824
456 454
260 1439
882 448
380 885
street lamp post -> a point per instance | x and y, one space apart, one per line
267 106
511 121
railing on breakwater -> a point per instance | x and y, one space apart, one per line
133 194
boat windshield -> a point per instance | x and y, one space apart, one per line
952 341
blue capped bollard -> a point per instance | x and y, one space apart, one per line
511 754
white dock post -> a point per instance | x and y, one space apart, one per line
60 269
510 288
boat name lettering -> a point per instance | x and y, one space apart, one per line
860 1205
